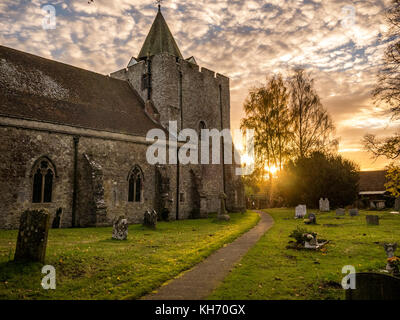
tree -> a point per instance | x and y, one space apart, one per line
388 86
267 113
306 180
387 89
312 126
393 180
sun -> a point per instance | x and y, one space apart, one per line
271 169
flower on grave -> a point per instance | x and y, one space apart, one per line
310 236
394 261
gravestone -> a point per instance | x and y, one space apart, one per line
32 236
324 205
340 212
150 219
222 214
300 211
57 219
312 219
165 214
374 286
390 248
120 229
372 220
353 212
312 243
397 204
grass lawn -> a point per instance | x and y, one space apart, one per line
89 265
270 271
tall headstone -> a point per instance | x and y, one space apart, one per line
150 219
397 204
300 211
390 248
57 219
222 214
32 236
324 205
120 229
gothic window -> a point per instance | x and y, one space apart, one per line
43 182
135 181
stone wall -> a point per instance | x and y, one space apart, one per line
184 92
103 168
19 150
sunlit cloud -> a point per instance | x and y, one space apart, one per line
339 41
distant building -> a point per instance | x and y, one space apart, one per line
372 191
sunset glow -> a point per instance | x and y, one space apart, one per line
338 41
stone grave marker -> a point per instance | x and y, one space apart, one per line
353 212
372 220
390 248
300 211
374 286
312 219
32 236
340 212
150 219
324 205
397 204
222 214
57 219
120 229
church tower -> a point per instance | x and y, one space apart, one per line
177 89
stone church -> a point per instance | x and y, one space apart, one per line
74 142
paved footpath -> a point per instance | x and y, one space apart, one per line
200 281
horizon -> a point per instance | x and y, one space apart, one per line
242 40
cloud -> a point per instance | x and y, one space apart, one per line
339 41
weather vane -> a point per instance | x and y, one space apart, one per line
159 3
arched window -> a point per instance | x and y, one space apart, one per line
135 181
43 176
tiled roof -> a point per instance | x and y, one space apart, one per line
159 40
41 89
372 181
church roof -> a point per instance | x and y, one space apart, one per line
159 40
36 88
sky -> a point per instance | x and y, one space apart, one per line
339 42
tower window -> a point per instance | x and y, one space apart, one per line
135 181
43 182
